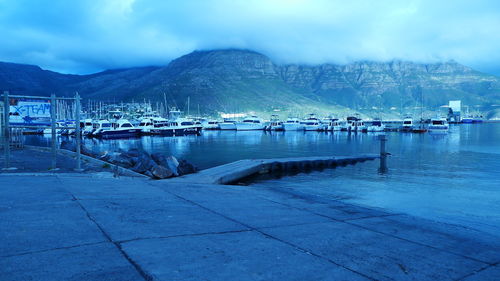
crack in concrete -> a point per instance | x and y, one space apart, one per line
296 247
477 271
183 235
54 249
379 232
137 267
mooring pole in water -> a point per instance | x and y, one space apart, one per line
53 102
383 155
78 133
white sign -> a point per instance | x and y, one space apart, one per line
29 112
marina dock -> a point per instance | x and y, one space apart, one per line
232 172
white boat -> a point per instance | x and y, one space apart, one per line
227 124
210 125
249 124
275 124
87 127
71 124
332 124
312 123
101 126
348 123
336 125
122 128
407 124
376 126
181 127
438 125
59 128
293 124
150 125
357 126
145 126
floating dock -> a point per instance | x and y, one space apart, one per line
232 172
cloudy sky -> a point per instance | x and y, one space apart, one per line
84 36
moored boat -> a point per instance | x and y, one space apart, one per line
357 126
312 123
407 124
249 124
88 127
275 124
100 126
227 124
121 128
210 125
293 124
438 125
376 126
181 127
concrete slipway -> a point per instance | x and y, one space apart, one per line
88 227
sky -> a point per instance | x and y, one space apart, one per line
86 36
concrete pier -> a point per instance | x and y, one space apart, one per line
79 227
232 172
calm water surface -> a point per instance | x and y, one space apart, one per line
450 177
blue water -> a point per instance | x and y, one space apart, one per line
453 177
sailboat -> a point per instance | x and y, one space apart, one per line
421 128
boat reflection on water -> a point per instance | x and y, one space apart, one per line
214 148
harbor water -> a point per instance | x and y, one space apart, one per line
451 177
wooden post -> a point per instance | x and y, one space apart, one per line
78 133
6 134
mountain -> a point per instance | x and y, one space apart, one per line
235 80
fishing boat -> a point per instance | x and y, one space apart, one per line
249 124
407 124
275 124
349 121
338 125
332 124
100 126
150 125
121 128
181 127
312 123
477 119
227 124
357 125
376 126
325 123
145 126
293 124
438 125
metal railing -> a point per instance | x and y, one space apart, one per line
11 133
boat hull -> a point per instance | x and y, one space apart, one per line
437 129
293 127
227 126
110 134
249 126
313 128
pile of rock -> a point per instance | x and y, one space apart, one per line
155 165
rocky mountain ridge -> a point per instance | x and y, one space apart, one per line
234 80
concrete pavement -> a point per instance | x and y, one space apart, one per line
78 227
